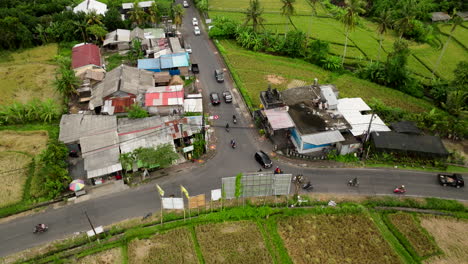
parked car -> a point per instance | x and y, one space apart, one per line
227 97
214 97
262 158
219 75
188 48
194 67
195 21
455 180
196 30
186 4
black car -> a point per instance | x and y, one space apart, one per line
227 97
455 180
219 75
214 97
262 158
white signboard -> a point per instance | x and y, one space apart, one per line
208 21
215 194
98 230
173 203
187 149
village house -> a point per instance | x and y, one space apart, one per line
126 7
165 100
89 6
120 39
175 64
122 87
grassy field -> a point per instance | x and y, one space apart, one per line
254 70
365 38
28 74
335 239
111 256
175 246
451 235
407 225
17 148
232 242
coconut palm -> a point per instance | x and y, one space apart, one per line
384 23
80 28
457 20
287 10
350 19
153 14
178 12
93 18
407 14
67 82
137 15
254 13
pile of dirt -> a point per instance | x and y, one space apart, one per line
275 79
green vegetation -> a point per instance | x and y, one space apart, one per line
149 158
264 234
136 111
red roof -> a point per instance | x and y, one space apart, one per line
85 55
164 98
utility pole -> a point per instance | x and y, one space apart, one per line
368 129
91 224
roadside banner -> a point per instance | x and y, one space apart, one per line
160 190
197 201
215 194
182 189
173 203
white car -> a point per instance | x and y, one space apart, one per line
185 4
196 30
188 48
195 21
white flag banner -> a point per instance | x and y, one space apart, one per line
215 194
173 203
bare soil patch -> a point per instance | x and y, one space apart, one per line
232 242
175 246
31 142
111 256
275 79
451 235
334 239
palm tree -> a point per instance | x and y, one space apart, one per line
41 30
67 82
384 23
93 18
178 12
350 18
81 27
137 15
457 20
254 13
407 14
313 4
287 10
153 14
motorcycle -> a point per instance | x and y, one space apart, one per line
227 127
234 119
233 144
399 190
308 186
353 182
40 228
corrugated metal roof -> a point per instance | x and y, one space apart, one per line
174 60
117 36
350 104
149 64
323 138
157 33
329 95
175 45
279 118
165 95
85 55
74 126
194 105
137 33
360 123
102 163
89 6
142 4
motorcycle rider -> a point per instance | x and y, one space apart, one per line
354 181
277 170
234 119
40 227
402 188
233 143
227 127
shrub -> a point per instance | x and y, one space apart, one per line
332 63
136 111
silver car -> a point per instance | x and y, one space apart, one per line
196 30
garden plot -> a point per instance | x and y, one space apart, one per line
335 239
175 246
12 187
28 74
407 225
17 149
111 256
232 242
451 235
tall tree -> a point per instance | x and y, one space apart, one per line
457 20
350 19
179 13
384 23
81 28
254 14
287 10
93 18
99 32
113 19
406 14
153 14
137 15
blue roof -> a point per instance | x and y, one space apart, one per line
174 60
149 64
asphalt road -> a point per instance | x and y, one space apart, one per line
17 235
